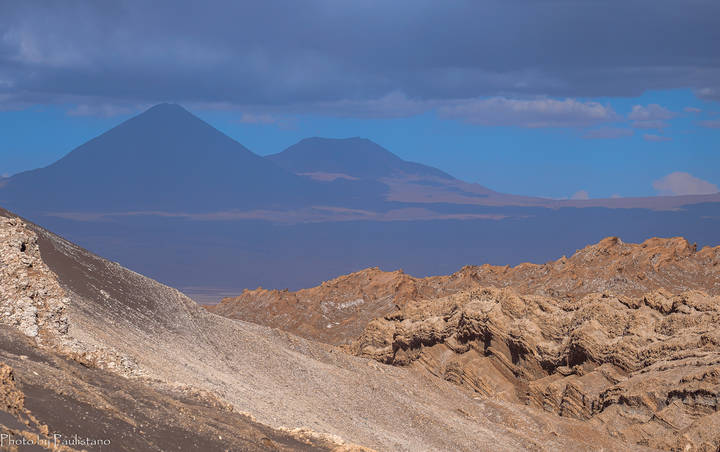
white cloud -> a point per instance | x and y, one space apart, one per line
395 104
708 93
692 110
501 111
103 110
652 116
581 195
680 183
608 133
652 112
250 118
656 138
654 124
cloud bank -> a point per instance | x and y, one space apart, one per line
500 111
680 183
656 138
605 133
372 57
652 112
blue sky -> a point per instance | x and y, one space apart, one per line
529 97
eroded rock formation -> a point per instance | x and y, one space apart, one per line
645 369
620 336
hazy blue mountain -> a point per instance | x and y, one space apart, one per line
167 159
356 157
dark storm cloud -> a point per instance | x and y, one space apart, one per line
369 57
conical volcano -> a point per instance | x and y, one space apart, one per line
163 159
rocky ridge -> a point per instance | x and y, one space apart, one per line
32 300
337 311
334 312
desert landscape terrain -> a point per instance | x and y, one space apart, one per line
359 226
500 358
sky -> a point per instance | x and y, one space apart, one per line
552 98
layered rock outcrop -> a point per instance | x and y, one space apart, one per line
33 300
642 368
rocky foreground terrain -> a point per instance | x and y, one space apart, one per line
622 337
103 358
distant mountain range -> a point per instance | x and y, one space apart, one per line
166 159
165 190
